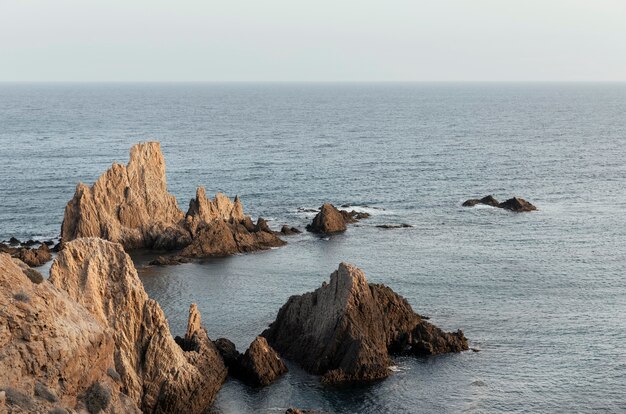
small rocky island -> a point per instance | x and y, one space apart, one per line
331 220
130 205
515 204
347 329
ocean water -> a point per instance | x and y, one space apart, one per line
542 295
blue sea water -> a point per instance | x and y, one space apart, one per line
542 294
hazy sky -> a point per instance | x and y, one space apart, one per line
321 40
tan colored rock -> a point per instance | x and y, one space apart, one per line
203 211
347 329
332 220
128 204
52 350
154 371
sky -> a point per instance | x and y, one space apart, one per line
317 41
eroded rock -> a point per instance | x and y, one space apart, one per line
347 329
332 220
513 204
156 373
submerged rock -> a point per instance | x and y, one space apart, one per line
155 372
259 366
289 231
347 329
514 204
394 226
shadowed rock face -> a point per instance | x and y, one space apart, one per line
202 210
514 204
52 350
259 366
128 204
30 256
346 330
155 372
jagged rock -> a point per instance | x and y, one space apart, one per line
394 226
221 238
51 348
156 373
346 330
128 204
14 241
259 366
488 200
517 205
353 216
289 231
202 210
261 225
514 204
33 275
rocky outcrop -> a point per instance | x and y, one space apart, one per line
53 353
259 366
394 226
514 204
202 210
285 230
154 371
222 238
31 256
128 204
517 204
332 220
347 329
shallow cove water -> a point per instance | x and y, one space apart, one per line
541 294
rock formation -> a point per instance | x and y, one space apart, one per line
128 204
259 366
346 330
285 230
155 372
53 353
30 256
514 204
331 220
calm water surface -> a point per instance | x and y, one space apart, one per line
542 295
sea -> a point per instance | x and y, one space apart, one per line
541 295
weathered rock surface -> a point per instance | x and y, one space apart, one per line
168 260
31 256
222 238
52 351
155 372
285 230
331 220
259 366
514 204
347 329
128 204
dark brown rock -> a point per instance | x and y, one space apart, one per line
168 261
394 226
517 204
329 220
289 231
221 238
488 200
347 329
34 257
229 354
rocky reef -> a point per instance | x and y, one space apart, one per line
347 329
89 338
130 205
332 220
513 204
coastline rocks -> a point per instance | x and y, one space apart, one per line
513 204
202 210
128 204
52 350
155 372
347 329
259 366
289 231
331 220
32 257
